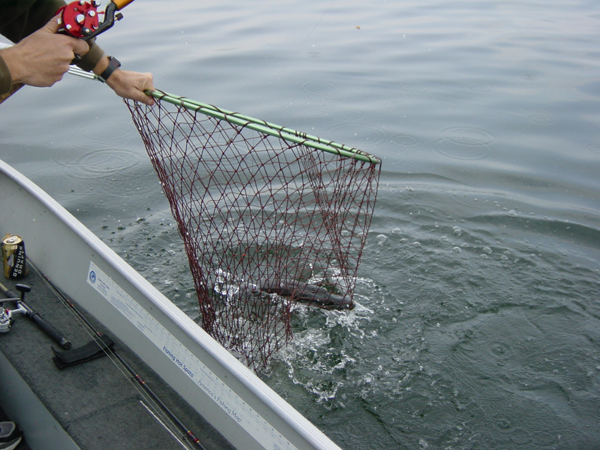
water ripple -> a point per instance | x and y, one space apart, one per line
318 88
103 162
465 143
405 139
479 88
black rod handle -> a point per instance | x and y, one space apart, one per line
52 332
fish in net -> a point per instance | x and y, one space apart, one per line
269 217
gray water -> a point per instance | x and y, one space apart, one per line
478 323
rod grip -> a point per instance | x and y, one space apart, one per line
11 294
52 332
121 3
6 291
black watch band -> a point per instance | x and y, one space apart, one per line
113 64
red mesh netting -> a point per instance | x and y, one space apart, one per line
266 222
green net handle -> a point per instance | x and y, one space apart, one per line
266 127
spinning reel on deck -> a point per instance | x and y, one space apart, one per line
6 315
80 19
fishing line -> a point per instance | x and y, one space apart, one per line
158 419
122 366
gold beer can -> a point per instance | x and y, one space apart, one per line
13 257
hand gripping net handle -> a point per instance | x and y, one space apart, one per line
269 216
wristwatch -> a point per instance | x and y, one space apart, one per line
113 64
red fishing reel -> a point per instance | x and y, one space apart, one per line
80 19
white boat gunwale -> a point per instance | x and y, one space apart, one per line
294 427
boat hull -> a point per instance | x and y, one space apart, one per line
228 395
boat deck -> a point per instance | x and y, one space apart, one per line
93 405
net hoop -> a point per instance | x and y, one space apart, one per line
262 126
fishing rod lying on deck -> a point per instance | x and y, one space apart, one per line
110 351
23 308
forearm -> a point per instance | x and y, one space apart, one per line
92 58
5 77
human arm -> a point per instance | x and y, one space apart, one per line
127 84
42 58
22 18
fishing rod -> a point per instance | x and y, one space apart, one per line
23 308
109 350
73 70
79 19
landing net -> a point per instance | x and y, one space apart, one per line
269 217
